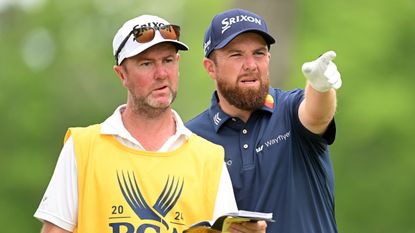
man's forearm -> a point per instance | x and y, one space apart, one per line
52 228
317 109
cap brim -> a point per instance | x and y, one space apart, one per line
179 45
267 37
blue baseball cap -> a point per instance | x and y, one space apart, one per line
229 24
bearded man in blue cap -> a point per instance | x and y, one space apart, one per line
276 142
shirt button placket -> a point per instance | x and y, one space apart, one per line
244 132
247 156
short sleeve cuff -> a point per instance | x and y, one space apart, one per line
45 216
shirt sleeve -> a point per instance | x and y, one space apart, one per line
295 99
59 204
225 199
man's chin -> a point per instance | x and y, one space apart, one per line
160 102
253 87
160 105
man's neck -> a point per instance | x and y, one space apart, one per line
151 132
233 111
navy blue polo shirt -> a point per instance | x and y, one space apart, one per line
275 163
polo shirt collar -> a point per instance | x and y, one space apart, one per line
219 117
113 125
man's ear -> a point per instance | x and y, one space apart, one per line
121 73
210 67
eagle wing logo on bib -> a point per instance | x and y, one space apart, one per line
165 202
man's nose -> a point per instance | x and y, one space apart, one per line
161 71
249 63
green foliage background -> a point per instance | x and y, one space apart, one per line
56 72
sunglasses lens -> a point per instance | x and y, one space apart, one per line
171 32
144 34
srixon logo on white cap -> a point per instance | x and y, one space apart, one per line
227 22
152 24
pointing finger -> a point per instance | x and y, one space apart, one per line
327 57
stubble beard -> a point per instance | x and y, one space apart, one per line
150 107
248 99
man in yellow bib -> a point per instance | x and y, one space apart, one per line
141 170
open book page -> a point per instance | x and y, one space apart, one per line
252 215
222 223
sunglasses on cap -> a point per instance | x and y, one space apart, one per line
144 34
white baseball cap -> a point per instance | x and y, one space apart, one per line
131 46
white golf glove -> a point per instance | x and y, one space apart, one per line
322 73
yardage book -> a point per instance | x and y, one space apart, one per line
222 223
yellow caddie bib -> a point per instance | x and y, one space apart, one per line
123 190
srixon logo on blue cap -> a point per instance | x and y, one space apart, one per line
227 22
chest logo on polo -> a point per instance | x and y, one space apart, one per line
274 141
166 200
